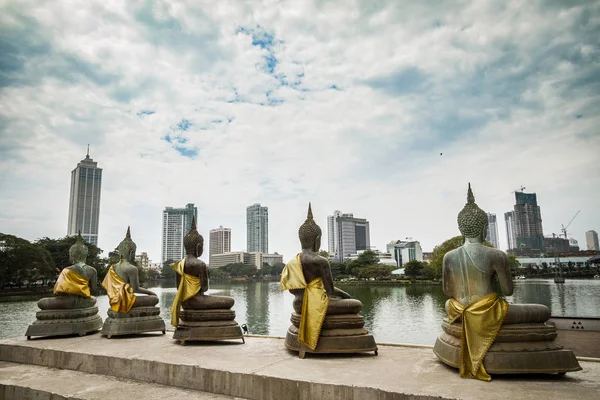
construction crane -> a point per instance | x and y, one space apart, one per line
564 228
519 189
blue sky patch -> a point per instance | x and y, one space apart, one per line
179 144
145 112
184 125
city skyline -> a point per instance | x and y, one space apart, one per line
385 109
257 228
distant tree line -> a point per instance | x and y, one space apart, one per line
38 263
235 270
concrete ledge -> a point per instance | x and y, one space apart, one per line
263 369
19 381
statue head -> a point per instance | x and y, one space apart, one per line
79 251
127 248
310 233
193 241
472 220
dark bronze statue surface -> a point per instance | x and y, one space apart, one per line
343 329
141 314
524 343
204 317
73 309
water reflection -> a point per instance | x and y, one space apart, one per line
397 314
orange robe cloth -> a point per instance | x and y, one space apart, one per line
70 282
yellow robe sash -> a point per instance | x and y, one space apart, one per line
120 293
314 304
481 322
70 282
189 286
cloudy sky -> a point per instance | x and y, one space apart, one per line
381 108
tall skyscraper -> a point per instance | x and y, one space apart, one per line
84 202
333 234
346 235
591 240
528 223
509 219
257 228
492 234
220 240
176 224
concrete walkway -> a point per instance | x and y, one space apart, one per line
263 369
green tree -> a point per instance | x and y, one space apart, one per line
324 253
167 272
59 251
515 264
365 259
413 268
22 261
377 271
240 270
216 273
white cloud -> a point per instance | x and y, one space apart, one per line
362 100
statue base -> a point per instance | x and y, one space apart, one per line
342 333
137 320
207 325
518 349
65 322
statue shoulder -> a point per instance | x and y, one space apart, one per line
451 255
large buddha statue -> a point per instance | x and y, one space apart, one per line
483 334
325 318
132 308
204 317
73 309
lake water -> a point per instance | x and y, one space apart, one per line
393 314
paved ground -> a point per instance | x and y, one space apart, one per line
262 366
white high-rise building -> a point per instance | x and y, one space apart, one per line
492 233
509 219
176 224
84 201
220 240
257 228
347 235
591 240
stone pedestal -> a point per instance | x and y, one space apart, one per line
137 320
210 319
521 348
342 330
64 322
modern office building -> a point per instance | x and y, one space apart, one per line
142 260
405 251
176 224
591 240
220 240
84 201
257 228
492 233
347 235
529 235
509 220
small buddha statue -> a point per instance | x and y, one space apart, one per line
132 308
204 317
73 309
325 318
483 334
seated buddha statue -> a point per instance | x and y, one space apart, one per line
132 308
204 317
325 318
483 334
73 309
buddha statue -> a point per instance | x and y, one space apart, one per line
73 309
132 308
325 318
483 334
204 317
